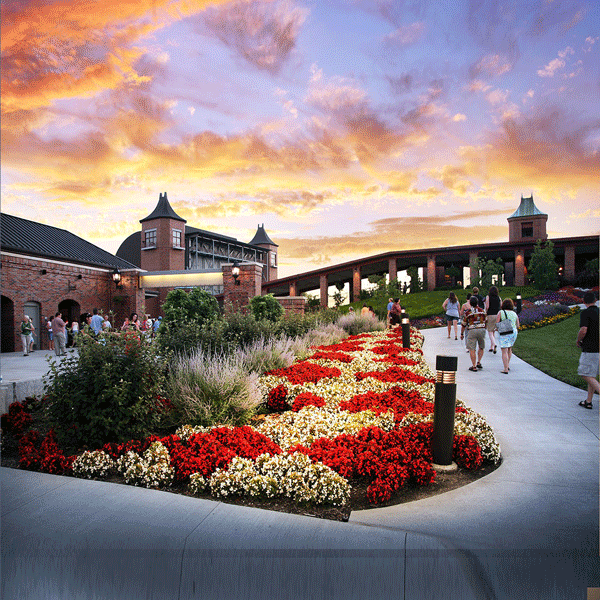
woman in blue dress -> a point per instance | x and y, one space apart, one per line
507 341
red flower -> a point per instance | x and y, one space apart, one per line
307 399
276 401
306 372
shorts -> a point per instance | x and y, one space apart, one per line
50 336
588 364
490 323
476 338
450 318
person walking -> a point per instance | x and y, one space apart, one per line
96 322
390 304
26 334
479 297
474 321
463 308
587 340
50 335
75 331
507 340
60 335
492 305
452 307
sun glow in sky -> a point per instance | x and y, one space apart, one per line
347 127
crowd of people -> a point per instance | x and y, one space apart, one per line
63 334
478 316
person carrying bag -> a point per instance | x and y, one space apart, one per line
505 326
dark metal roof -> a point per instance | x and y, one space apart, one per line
130 250
44 241
527 208
261 237
163 210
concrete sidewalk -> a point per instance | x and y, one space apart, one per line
529 530
22 375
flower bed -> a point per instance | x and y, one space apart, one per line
541 315
357 411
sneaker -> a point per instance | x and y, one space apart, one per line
479 366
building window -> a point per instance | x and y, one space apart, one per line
527 229
273 259
177 238
150 238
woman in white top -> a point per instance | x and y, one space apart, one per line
452 307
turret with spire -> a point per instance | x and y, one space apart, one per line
527 223
262 240
163 238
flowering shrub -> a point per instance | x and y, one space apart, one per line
92 464
466 452
290 475
339 356
153 469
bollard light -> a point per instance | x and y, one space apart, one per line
405 322
444 408
519 306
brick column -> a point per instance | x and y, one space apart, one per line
569 267
431 273
473 273
323 289
236 297
356 284
392 269
519 267
293 288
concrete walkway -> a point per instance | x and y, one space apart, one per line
529 530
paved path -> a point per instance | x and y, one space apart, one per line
529 530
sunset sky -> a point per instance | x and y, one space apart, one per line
347 127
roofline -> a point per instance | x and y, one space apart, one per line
60 260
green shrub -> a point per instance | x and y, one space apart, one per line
266 307
108 393
212 389
353 324
182 308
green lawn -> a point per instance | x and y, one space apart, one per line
426 304
552 349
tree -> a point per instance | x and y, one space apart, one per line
338 297
542 266
489 268
589 276
415 282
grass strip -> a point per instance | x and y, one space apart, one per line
552 350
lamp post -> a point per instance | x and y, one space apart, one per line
405 331
444 408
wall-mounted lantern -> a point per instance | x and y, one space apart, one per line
116 277
235 273
43 272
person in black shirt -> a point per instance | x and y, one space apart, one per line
587 340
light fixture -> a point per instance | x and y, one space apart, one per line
43 272
235 273
116 277
80 276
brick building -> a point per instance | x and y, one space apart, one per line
46 269
172 254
